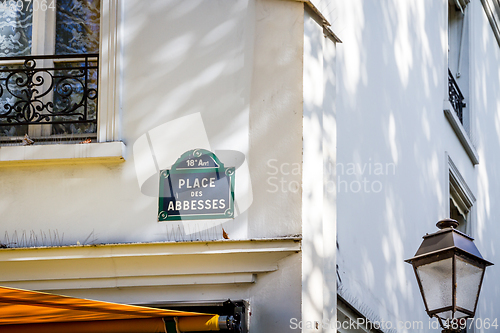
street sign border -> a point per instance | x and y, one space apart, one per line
164 174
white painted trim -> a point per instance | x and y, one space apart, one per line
446 187
133 281
459 183
353 315
62 154
320 19
460 132
140 265
110 50
493 16
463 192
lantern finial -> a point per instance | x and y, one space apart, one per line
446 223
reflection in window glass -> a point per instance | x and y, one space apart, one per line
11 100
77 26
16 24
15 29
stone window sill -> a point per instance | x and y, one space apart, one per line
460 132
105 152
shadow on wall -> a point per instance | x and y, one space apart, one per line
392 83
183 58
175 67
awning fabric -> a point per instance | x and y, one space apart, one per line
152 325
31 311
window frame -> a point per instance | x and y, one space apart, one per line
347 312
109 147
110 50
43 31
458 190
110 47
465 134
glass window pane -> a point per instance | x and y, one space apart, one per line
12 103
468 280
77 26
436 283
16 24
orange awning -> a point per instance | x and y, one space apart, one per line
31 311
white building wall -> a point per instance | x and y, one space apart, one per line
240 65
393 138
485 70
319 288
276 119
264 80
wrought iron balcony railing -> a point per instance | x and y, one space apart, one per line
455 96
53 89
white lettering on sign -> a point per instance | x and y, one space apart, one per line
205 182
196 204
191 163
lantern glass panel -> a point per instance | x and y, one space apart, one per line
468 283
436 281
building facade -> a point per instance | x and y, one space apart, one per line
417 105
349 129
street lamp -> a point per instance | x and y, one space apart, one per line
449 271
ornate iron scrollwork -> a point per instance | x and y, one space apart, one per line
456 97
58 89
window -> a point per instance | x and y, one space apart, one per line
457 107
49 76
461 199
458 210
50 65
458 60
350 320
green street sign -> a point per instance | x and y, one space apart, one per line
197 187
